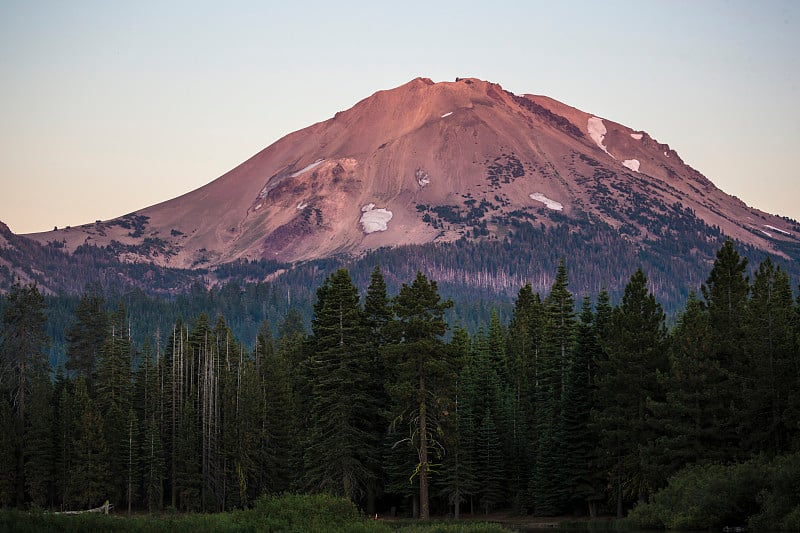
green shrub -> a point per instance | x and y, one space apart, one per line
762 494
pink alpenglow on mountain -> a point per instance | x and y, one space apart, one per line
423 163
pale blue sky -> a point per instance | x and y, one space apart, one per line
107 107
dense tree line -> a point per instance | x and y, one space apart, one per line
573 406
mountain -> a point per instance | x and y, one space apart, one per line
433 168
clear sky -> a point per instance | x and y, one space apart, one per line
108 107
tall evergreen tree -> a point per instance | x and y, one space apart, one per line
89 482
634 344
86 335
23 340
38 442
524 350
342 454
114 387
770 342
423 374
548 484
459 467
579 442
725 293
377 314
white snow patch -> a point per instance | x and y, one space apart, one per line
666 154
447 114
373 220
777 229
637 136
632 164
765 233
306 168
422 177
301 206
597 131
550 204
258 207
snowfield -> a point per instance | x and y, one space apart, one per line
637 136
597 131
550 204
373 220
306 168
765 233
779 230
447 114
301 206
632 164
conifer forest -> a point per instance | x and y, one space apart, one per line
564 405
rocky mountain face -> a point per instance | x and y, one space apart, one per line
426 164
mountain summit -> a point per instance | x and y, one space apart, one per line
432 162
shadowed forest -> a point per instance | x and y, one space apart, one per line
571 406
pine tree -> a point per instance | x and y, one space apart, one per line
725 294
38 438
549 485
153 470
23 340
8 449
377 315
578 441
634 345
89 481
423 374
342 453
492 479
113 386
86 335
482 398
277 423
524 348
188 480
770 343
459 472
132 474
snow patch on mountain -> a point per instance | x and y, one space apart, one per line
765 233
301 206
550 204
447 114
777 229
306 168
422 177
637 136
632 164
373 220
597 132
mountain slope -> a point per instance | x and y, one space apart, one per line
432 163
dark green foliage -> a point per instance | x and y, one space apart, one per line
342 453
626 380
553 413
422 374
86 335
758 493
582 484
38 441
89 479
771 360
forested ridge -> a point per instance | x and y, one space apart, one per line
572 405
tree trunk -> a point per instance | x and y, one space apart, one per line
423 454
457 510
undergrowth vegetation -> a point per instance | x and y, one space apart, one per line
760 494
289 514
